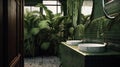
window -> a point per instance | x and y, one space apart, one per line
31 8
53 5
87 7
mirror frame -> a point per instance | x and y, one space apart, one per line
103 5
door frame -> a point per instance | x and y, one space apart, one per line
4 23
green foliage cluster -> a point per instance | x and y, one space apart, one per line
97 28
43 30
76 32
31 29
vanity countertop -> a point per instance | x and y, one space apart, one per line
107 52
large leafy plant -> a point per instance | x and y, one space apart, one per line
52 26
43 30
31 29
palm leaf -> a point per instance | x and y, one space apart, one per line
49 13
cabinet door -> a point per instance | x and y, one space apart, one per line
65 55
70 58
78 59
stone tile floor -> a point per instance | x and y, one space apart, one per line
51 61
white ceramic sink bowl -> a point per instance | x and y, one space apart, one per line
73 42
91 47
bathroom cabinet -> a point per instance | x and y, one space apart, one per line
70 56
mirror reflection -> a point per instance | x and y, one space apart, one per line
111 8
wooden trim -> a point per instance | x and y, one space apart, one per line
15 61
1 33
21 32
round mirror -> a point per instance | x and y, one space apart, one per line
87 7
111 8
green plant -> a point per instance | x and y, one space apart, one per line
96 29
89 30
43 30
31 29
51 29
76 32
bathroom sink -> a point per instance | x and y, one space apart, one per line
91 47
73 42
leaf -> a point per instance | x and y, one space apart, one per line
48 12
45 45
71 30
58 21
34 31
27 34
79 31
44 24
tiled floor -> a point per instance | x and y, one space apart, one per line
42 62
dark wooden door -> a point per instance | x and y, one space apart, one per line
1 34
11 29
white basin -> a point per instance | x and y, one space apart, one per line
91 47
73 42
